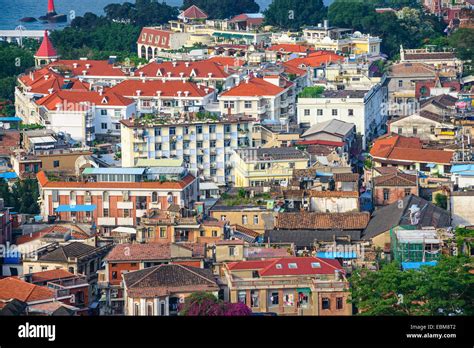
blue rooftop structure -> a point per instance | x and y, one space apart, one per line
463 169
113 170
10 119
337 254
417 265
75 208
8 175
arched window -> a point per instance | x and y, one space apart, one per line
150 53
149 309
143 52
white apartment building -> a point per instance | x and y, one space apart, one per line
364 108
165 96
83 114
205 144
265 99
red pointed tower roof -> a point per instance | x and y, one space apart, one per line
51 6
194 12
46 49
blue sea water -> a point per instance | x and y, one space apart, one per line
13 10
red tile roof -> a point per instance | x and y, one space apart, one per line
199 69
72 100
322 221
139 252
289 48
315 59
43 80
396 179
254 87
46 50
13 287
91 66
53 274
76 233
229 61
157 185
155 37
400 148
279 267
168 88
194 12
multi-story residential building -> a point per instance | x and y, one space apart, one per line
260 167
205 143
171 227
125 258
158 290
425 125
84 114
113 197
67 283
253 216
209 72
401 85
408 154
153 40
442 61
315 63
289 286
165 96
5 223
266 99
460 205
38 84
325 37
364 108
391 188
75 257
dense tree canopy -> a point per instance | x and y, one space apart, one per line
223 8
294 14
142 13
444 289
206 304
22 196
409 27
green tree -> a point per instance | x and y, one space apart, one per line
444 289
222 9
294 14
441 201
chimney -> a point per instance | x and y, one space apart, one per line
174 63
179 93
50 91
181 74
186 93
326 24
138 92
84 72
206 90
88 66
31 76
169 73
158 93
101 91
46 77
187 64
74 65
141 73
163 80
247 79
143 80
